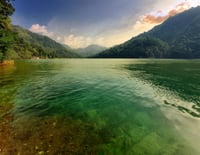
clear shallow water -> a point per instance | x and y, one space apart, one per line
80 106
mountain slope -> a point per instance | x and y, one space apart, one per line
90 50
177 37
28 45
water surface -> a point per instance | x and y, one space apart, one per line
92 106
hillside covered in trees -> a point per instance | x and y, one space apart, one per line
18 43
177 37
27 45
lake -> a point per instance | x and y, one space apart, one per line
100 106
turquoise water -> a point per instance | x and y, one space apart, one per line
97 106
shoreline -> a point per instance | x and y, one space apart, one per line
7 62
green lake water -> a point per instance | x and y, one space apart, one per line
103 106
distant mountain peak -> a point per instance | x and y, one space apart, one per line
90 50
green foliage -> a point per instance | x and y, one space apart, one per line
177 37
6 35
6 9
11 54
1 56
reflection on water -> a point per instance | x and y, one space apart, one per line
179 77
175 83
91 106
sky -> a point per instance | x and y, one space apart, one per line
79 23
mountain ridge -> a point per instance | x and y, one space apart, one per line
177 37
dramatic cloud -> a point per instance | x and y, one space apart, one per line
157 18
41 29
147 22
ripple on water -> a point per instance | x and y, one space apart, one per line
91 107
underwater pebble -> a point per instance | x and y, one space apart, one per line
51 135
36 147
41 152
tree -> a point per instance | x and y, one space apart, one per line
6 34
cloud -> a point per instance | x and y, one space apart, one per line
194 3
154 19
58 38
140 27
41 29
157 18
147 22
77 41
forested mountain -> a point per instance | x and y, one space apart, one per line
18 43
28 45
177 37
90 50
